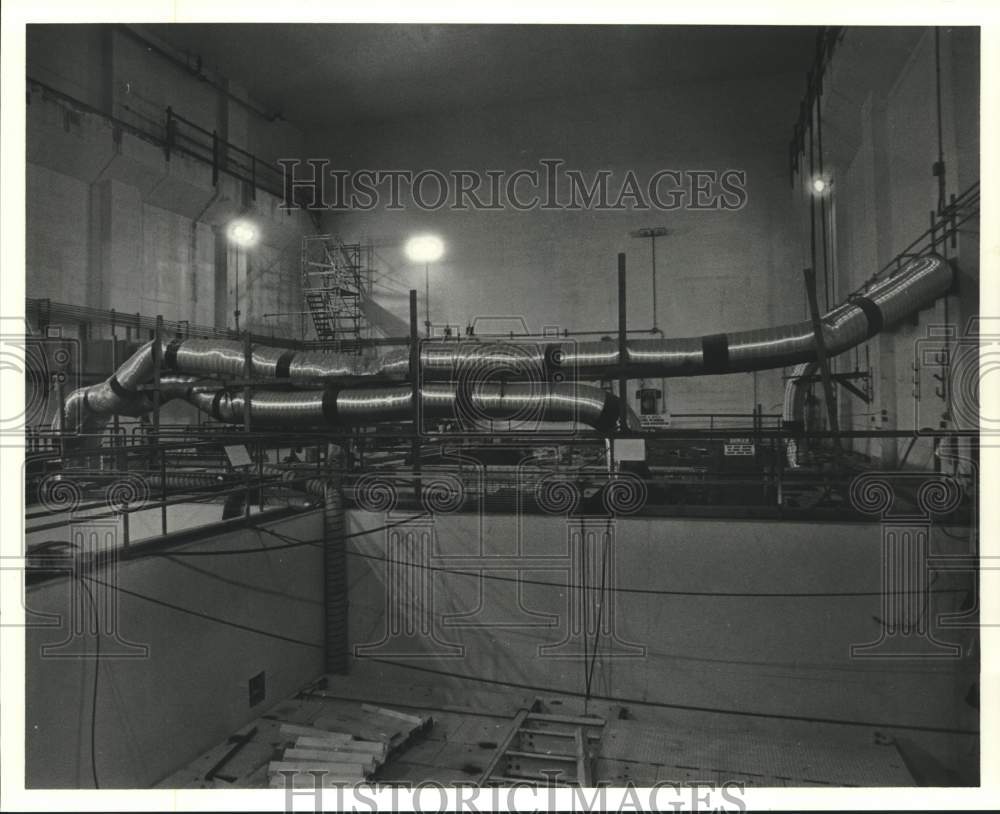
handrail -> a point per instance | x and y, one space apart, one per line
216 150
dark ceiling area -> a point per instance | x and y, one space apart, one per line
323 75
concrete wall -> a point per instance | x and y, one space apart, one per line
718 270
774 656
111 223
190 691
880 129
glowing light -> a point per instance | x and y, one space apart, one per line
242 233
820 185
424 248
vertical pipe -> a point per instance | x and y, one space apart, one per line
157 368
778 446
163 493
61 406
812 175
652 243
622 344
827 287
427 299
831 405
158 453
415 393
114 366
939 169
247 375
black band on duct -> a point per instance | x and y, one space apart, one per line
330 405
170 354
715 353
610 413
872 313
117 389
216 412
284 363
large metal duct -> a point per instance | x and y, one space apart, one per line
476 364
521 403
915 286
796 389
89 408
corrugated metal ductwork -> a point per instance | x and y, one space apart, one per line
796 388
520 403
490 379
915 286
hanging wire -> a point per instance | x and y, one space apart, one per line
97 676
939 172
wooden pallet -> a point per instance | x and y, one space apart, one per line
545 749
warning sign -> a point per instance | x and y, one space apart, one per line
656 421
739 446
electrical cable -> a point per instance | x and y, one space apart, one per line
610 589
648 591
602 598
206 616
686 707
97 674
292 542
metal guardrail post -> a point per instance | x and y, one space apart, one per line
824 365
247 393
622 345
120 458
415 393
159 453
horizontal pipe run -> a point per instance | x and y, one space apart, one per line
484 368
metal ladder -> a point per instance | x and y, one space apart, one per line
545 749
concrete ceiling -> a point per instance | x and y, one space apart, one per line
323 76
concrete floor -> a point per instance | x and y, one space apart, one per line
643 748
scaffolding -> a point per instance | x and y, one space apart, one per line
335 278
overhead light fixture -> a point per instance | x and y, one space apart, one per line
242 233
424 248
819 185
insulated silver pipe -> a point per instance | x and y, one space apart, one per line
915 286
472 364
521 404
796 388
